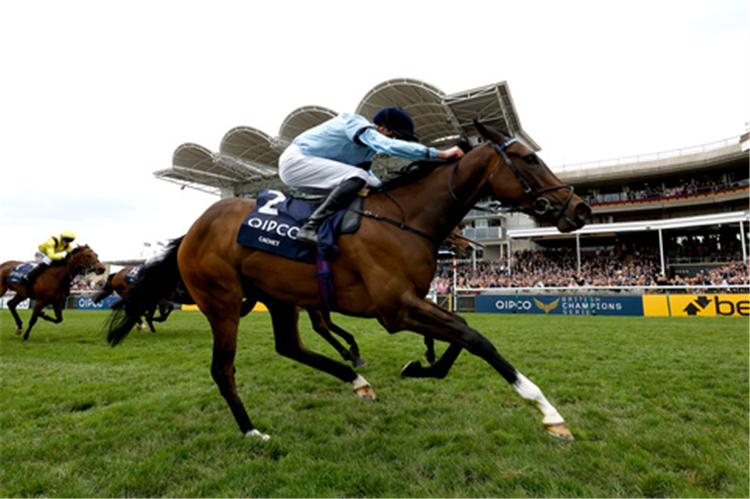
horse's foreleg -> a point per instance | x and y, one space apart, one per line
426 318
164 311
343 333
439 369
149 316
284 317
429 354
321 323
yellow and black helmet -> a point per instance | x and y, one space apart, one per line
67 236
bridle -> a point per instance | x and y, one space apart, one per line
81 266
541 204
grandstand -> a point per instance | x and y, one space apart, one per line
690 206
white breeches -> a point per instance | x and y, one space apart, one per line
42 258
298 171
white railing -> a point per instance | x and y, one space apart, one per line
733 288
640 158
482 233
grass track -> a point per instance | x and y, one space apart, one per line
659 407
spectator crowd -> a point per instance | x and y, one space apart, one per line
559 268
682 189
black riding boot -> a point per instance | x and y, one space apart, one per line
29 278
337 200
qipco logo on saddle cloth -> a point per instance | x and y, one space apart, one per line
272 226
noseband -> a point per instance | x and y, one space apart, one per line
542 205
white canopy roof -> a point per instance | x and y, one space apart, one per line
667 223
247 158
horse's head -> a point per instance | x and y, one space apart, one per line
525 182
87 260
458 245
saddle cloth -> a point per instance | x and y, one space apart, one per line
273 225
18 272
132 274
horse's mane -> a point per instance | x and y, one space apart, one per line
414 171
409 174
77 249
70 254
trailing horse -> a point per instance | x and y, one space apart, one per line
121 282
52 287
383 271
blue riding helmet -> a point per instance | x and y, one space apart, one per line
398 121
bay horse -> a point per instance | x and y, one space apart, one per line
120 283
384 270
52 287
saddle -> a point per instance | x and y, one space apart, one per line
277 217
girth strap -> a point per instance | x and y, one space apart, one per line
325 282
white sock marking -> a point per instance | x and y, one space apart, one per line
530 391
256 433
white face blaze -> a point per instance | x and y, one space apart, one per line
531 392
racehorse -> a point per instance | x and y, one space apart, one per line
120 283
383 271
52 287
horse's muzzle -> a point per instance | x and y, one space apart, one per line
574 218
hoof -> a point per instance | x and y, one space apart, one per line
256 433
19 332
357 362
411 369
365 392
560 431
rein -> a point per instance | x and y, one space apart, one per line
400 225
542 205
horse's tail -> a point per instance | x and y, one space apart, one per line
155 281
106 290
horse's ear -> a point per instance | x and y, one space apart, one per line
490 133
481 129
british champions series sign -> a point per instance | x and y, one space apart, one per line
560 305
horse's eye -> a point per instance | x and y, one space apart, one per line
531 159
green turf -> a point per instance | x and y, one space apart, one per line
658 406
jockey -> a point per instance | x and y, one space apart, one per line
338 154
50 250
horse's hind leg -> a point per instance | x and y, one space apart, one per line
12 304
284 317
